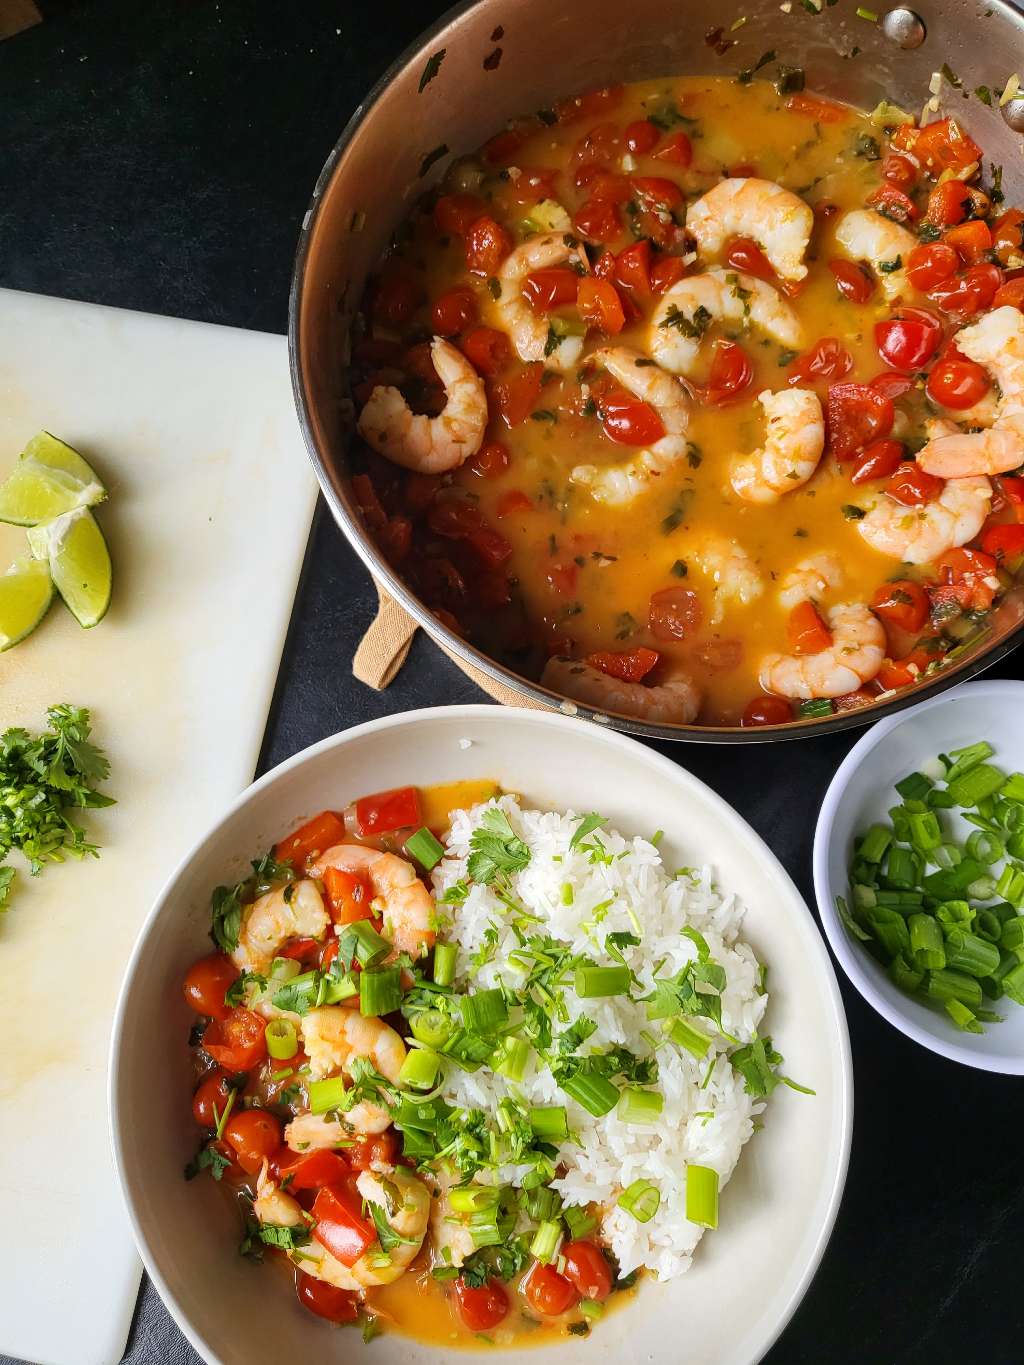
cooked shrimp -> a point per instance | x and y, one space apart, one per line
919 535
530 331
450 1233
997 342
793 444
869 236
405 1202
732 571
429 445
311 1132
333 1035
777 219
292 911
271 1204
811 579
621 483
402 900
688 308
676 701
854 657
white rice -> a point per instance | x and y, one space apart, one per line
610 1154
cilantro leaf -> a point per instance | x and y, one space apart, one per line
586 826
7 875
286 1238
227 901
208 1158
496 848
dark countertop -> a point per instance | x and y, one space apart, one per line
160 156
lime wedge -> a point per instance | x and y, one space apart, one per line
79 563
25 595
49 479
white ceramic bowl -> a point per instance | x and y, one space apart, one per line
779 1208
860 793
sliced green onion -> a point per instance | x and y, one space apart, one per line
915 786
1013 983
966 759
973 786
687 1035
904 976
947 855
939 799
474 1198
567 893
593 982
890 928
985 847
431 1027
946 985
420 1069
819 706
424 848
1010 814
642 1199
596 1094
1010 886
963 1017
327 1094
545 1242
514 1059
542 1204
1015 844
578 1221
333 990
444 963
902 868
282 1040
380 991
551 1123
360 941
417 1145
1013 788
981 889
966 952
591 1308
639 1106
1012 936
925 833
927 942
874 844
484 1011
702 1196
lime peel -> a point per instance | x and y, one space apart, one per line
26 591
76 553
49 479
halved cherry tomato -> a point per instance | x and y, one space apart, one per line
329 951
1002 542
890 200
743 253
822 111
1012 489
931 264
455 517
516 396
903 672
628 665
827 360
674 613
901 603
892 385
490 545
956 382
395 296
633 266
974 572
586 106
969 293
237 1042
340 1226
482 1306
453 311
598 221
664 194
487 245
255 1135
1010 294
384 812
899 170
605 185
349 895
1006 235
908 341
665 272
534 183
322 832
731 373
514 500
971 241
852 281
629 422
677 148
550 288
944 146
808 633
303 950
587 1269
311 1170
490 461
766 710
502 148
562 577
857 416
486 349
373 1149
547 1292
326 1300
878 461
209 1100
455 214
641 136
912 486
395 539
948 203
599 304
206 982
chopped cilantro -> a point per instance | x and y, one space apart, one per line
495 848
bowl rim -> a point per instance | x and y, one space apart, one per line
469 712
846 952
454 645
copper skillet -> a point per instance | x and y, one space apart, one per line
503 57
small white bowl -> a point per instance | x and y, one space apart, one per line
861 793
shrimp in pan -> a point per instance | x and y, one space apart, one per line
676 701
429 445
404 903
854 657
793 446
919 535
776 218
868 236
530 331
689 307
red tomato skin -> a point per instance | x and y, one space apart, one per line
455 214
598 221
902 603
1003 542
857 416
213 1092
903 672
322 832
899 171
944 146
487 245
1010 294
514 500
550 288
912 486
384 812
562 578
948 204
628 665
481 1307
516 396
486 349
340 1225
971 241
237 1042
731 373
822 111
255 1135
1006 235
957 384
678 149
826 360
453 311
395 296
206 983
586 106
665 272
743 253
906 343
373 1150
326 1300
969 293
853 701
349 895
629 422
641 136
851 281
490 545
599 304
633 266
300 950
312 1170
455 518
878 461
931 264
547 1292
808 633
674 613
890 200
490 461
665 193
766 710
587 1270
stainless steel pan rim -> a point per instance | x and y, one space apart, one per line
380 570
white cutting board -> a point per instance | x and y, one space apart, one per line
192 429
